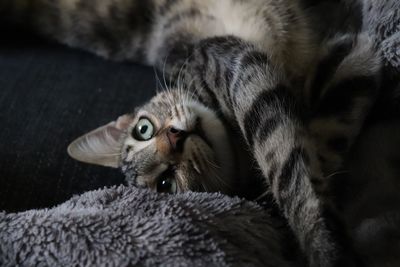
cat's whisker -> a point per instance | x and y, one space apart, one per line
261 196
204 186
109 154
189 95
205 160
170 89
195 166
212 167
170 99
336 173
217 181
213 164
169 96
158 81
163 74
180 77
193 94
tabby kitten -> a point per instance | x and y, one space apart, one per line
172 144
237 67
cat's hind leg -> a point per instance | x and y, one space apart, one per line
114 29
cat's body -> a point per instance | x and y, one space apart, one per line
145 31
245 73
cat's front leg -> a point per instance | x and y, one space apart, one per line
287 157
253 92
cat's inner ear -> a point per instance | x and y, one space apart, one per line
101 146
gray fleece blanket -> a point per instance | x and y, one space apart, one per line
382 20
123 226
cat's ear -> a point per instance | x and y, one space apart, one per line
101 146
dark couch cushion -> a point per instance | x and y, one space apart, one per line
49 95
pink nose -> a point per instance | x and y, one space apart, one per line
176 138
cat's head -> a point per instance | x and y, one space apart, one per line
171 144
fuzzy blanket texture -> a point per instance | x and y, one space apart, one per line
122 226
382 20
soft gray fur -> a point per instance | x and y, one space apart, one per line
124 226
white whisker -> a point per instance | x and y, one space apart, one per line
336 173
109 154
158 81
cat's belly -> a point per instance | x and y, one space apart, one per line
277 27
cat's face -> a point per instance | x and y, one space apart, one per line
171 144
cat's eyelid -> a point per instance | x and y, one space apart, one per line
132 127
146 115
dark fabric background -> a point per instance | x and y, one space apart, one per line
49 95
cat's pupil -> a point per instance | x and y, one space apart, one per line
164 185
143 129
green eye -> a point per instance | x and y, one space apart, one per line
144 130
166 185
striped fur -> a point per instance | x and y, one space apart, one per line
235 62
